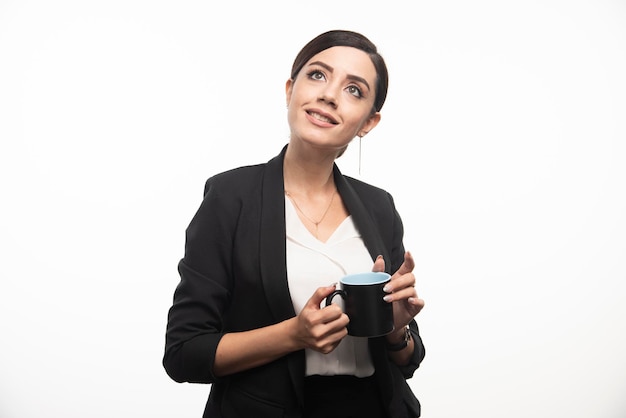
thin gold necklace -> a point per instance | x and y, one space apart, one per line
316 223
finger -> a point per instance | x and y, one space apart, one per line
415 306
400 294
407 266
332 313
320 294
329 321
417 302
379 264
331 342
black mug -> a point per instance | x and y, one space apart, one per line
370 315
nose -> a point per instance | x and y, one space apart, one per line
328 99
329 95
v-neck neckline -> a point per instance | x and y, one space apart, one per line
304 233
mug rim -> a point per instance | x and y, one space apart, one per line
382 278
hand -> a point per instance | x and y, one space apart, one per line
401 291
321 329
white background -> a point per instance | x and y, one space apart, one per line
503 141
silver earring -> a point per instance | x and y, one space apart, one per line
360 137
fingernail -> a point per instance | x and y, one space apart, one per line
387 298
379 257
333 285
386 289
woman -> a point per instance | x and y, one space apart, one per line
248 315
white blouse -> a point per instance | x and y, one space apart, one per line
311 264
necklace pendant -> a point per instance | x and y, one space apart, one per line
306 216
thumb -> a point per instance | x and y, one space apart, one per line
407 266
320 294
379 264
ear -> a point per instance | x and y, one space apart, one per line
288 90
369 124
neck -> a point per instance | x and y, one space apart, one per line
308 172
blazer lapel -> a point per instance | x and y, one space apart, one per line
361 218
273 251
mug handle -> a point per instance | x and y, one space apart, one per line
330 297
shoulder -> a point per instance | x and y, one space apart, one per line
373 200
226 194
369 192
246 179
236 178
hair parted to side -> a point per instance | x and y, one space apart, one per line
351 39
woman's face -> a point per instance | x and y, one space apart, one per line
331 100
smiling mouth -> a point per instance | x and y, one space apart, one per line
322 118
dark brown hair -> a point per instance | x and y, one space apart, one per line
351 39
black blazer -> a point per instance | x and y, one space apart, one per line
234 278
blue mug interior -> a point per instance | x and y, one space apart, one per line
368 278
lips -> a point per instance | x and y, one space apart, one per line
321 116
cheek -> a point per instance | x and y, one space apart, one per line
360 123
295 116
291 115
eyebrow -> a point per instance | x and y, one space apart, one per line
350 76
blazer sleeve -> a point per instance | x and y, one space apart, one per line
194 326
397 258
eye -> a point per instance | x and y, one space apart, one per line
355 91
316 75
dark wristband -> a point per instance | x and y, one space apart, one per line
402 344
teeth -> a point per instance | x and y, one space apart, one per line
321 118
